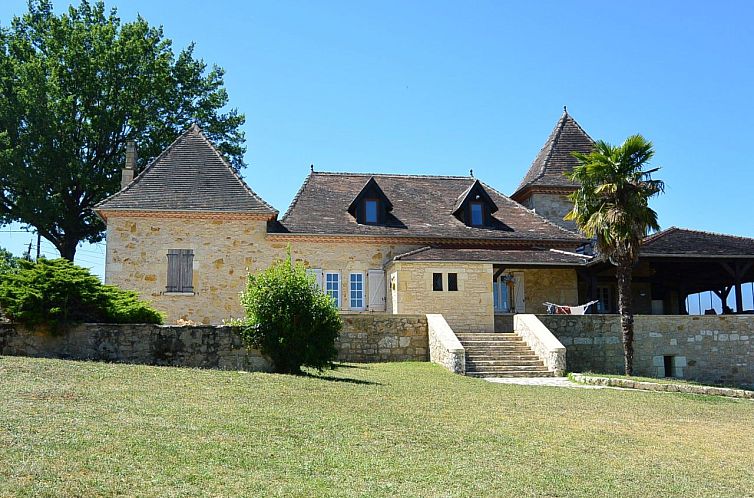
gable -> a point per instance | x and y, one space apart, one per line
190 175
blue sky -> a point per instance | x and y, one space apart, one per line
444 87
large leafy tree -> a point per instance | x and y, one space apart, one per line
612 207
74 88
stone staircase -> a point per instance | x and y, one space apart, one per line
500 355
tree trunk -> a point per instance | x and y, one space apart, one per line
625 308
67 247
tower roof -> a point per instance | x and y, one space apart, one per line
555 159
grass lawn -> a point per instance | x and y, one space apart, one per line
82 429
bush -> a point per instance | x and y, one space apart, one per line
55 293
289 320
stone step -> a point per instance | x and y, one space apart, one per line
527 355
506 368
510 374
534 362
488 342
499 335
496 349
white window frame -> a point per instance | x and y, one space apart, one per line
357 293
332 286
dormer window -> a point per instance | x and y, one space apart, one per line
371 205
477 214
371 211
474 206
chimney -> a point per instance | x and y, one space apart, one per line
128 171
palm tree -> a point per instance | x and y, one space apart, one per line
612 207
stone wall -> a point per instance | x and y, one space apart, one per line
717 349
365 337
544 344
554 285
469 309
224 251
369 337
444 347
553 207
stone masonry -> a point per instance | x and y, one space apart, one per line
368 337
717 349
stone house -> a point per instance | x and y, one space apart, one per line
185 231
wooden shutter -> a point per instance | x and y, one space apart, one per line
518 292
377 296
187 270
174 274
317 273
180 270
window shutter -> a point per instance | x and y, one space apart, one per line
317 273
376 281
187 270
518 292
174 275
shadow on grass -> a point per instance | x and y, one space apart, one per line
346 365
340 379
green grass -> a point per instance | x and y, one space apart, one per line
410 429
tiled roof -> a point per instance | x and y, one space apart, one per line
422 207
555 159
190 175
530 257
676 241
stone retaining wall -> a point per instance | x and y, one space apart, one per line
717 349
370 337
365 337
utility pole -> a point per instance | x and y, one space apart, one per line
39 240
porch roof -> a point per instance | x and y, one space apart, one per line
544 257
685 243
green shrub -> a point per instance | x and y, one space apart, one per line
289 320
55 293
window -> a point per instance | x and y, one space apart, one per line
357 291
180 270
452 281
332 287
477 215
604 299
370 211
437 281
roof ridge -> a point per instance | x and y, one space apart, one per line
398 175
518 205
225 162
148 167
662 233
411 253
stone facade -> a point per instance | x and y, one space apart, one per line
365 337
554 285
368 337
717 349
224 251
469 309
553 207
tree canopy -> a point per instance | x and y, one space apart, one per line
74 88
612 207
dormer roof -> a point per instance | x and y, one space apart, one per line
475 192
555 159
370 189
189 175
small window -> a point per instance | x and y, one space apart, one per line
437 281
477 214
452 281
180 270
370 211
332 287
357 291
